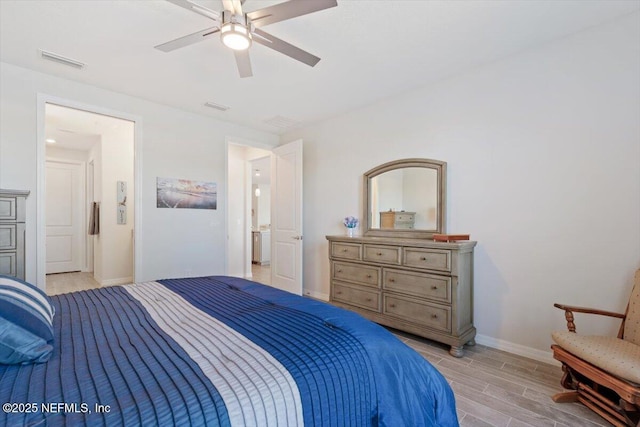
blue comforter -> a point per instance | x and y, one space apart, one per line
119 361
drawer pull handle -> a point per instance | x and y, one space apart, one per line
344 250
368 276
434 316
392 280
369 300
392 305
424 258
338 292
379 254
339 271
434 287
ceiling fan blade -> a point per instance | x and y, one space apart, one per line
243 62
287 10
201 10
187 40
282 46
234 6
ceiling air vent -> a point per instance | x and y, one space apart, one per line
216 106
61 59
282 122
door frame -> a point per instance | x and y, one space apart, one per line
44 99
246 195
89 197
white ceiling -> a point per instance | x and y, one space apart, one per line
76 129
370 49
263 167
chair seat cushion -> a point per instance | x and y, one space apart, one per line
618 357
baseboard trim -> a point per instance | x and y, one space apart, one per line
118 281
518 349
317 295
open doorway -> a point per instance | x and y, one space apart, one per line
261 220
285 222
88 200
248 212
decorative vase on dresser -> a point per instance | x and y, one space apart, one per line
396 274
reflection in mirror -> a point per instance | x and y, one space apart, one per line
404 198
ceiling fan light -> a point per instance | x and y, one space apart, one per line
235 36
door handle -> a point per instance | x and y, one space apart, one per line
297 237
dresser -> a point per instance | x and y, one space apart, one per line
397 220
414 285
12 232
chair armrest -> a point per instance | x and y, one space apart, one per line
589 310
569 310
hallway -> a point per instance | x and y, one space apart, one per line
63 283
261 273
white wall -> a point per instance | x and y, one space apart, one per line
116 240
263 206
543 152
54 152
174 143
239 236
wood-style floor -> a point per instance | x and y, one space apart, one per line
261 274
492 387
63 283
496 388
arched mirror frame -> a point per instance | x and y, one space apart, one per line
441 170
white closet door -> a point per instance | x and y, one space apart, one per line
64 219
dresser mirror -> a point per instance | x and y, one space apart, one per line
405 198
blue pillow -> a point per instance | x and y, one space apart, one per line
27 307
19 346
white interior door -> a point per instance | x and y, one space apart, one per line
64 216
286 217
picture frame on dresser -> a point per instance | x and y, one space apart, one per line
402 278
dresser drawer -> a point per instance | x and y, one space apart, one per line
386 254
8 263
424 285
355 296
420 312
8 208
346 250
432 259
8 234
360 274
405 217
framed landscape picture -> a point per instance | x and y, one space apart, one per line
186 194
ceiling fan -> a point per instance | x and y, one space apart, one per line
238 30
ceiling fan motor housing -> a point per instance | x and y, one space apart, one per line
235 31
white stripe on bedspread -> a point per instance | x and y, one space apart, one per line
257 390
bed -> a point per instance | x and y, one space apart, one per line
220 351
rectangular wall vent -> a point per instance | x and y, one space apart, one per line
61 59
216 106
282 122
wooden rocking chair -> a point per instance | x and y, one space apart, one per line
603 372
